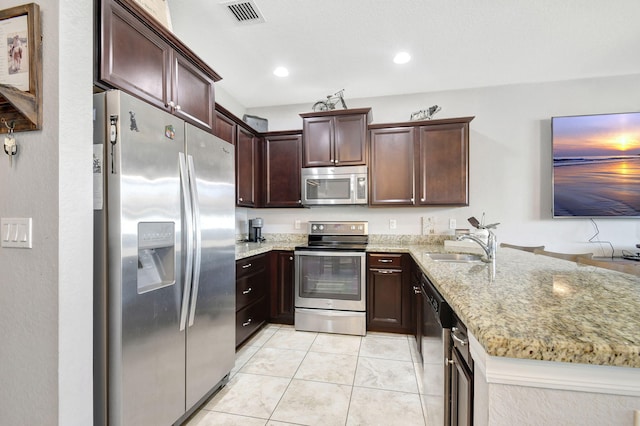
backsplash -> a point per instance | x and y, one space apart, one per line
379 239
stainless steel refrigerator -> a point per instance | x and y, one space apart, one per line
164 281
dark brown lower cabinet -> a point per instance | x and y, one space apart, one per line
282 287
389 293
252 300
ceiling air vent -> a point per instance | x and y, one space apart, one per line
245 12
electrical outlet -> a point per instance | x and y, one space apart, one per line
393 224
296 224
452 223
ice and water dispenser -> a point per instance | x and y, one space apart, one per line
156 255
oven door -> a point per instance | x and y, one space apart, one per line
330 280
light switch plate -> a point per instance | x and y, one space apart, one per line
15 232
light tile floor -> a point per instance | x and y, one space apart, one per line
287 377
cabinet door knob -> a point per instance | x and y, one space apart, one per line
240 199
422 199
178 108
290 257
171 104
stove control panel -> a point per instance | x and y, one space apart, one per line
339 228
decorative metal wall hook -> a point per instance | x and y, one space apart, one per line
10 125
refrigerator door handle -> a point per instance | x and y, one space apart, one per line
188 229
197 249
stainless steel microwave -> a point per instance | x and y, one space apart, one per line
329 186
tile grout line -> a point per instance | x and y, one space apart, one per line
290 380
353 383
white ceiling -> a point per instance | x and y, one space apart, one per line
329 45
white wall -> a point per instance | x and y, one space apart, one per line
510 162
46 291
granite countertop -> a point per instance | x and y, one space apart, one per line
542 308
535 307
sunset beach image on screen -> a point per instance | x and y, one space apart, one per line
596 165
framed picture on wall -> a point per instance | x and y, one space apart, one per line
14 59
21 68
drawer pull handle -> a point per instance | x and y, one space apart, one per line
247 291
387 271
457 339
385 260
244 324
248 265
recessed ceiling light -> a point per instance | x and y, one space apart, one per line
281 72
402 58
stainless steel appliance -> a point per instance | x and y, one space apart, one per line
326 186
255 229
437 318
330 278
164 263
461 375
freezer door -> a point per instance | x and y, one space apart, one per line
145 285
211 323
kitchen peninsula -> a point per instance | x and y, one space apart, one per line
558 340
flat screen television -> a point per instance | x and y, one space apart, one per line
596 165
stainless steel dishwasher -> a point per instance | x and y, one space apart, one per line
461 376
437 319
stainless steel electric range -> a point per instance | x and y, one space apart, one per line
330 278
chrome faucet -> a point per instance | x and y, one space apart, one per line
489 247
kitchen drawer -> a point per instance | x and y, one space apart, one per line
250 319
385 260
251 288
251 265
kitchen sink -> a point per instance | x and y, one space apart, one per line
455 257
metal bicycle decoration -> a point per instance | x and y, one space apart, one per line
425 114
330 102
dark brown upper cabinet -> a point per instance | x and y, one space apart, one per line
335 138
224 127
248 178
392 166
420 163
140 57
443 164
282 164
